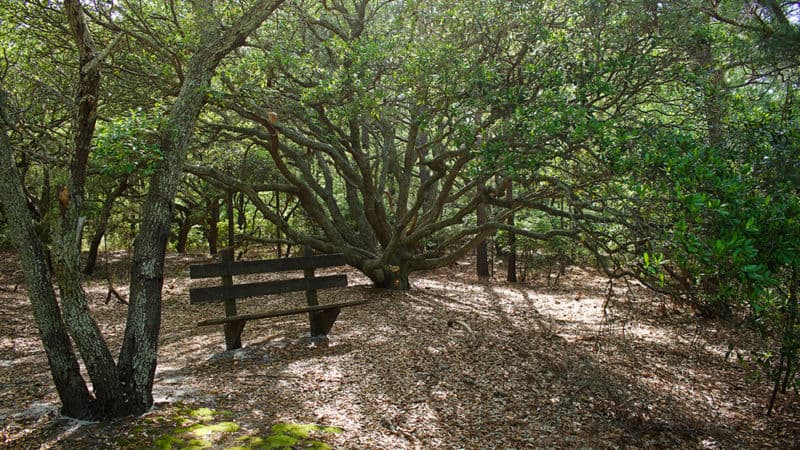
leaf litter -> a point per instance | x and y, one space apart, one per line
456 362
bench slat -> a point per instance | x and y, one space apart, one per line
220 293
286 312
265 265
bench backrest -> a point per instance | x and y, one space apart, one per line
227 268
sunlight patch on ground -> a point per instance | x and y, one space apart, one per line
648 333
19 361
536 367
449 286
509 294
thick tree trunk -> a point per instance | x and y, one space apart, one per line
75 397
100 364
183 235
137 360
395 277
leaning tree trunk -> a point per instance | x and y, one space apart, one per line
100 364
137 360
75 397
125 388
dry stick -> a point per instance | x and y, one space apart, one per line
112 291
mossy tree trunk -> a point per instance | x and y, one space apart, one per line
75 397
137 360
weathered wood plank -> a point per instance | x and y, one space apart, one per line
221 293
322 321
265 265
286 312
233 330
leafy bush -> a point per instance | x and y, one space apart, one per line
734 238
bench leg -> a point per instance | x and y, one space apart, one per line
233 334
322 321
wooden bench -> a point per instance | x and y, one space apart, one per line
321 317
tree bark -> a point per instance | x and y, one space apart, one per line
183 235
395 276
137 360
100 364
72 390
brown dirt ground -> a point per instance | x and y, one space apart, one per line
522 366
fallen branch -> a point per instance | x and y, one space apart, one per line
113 292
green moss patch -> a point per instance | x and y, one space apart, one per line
199 428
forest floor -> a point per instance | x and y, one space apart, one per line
455 362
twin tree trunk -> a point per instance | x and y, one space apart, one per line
72 389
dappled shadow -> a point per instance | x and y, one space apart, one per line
456 362
536 390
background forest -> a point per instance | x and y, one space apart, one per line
656 141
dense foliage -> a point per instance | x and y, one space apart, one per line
657 139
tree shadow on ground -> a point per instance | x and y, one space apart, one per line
540 390
455 364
